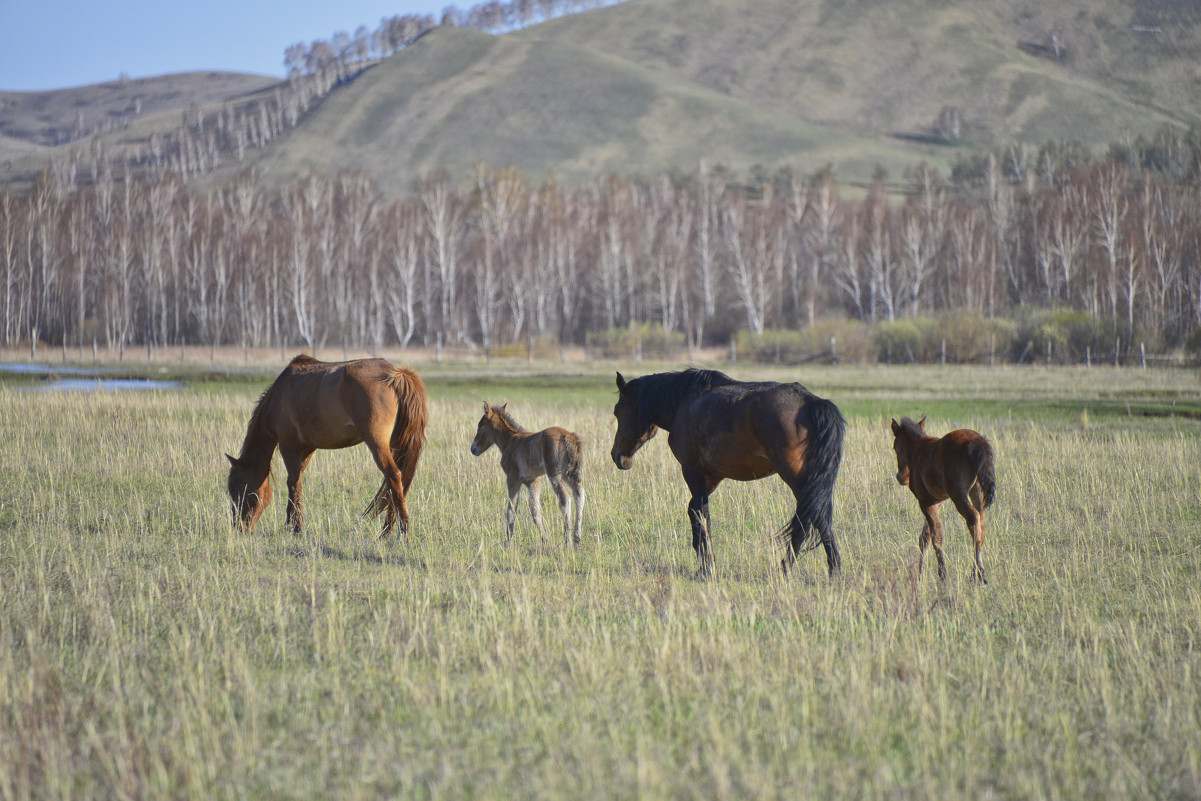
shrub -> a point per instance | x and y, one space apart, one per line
649 339
852 343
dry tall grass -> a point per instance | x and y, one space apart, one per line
148 650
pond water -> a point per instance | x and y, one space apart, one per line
84 380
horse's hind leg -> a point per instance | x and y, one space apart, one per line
535 488
556 483
578 490
295 460
393 490
975 527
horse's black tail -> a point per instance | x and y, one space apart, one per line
815 485
980 452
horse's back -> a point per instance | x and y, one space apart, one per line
326 404
747 430
967 456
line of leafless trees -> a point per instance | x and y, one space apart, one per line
147 261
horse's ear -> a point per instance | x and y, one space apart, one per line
621 383
487 408
922 423
502 407
232 461
896 427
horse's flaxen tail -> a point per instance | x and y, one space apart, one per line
980 452
815 486
408 434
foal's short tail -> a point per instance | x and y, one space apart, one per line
575 460
815 489
980 452
408 434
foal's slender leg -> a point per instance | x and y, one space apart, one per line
556 483
514 485
975 528
535 488
935 525
923 542
578 491
296 458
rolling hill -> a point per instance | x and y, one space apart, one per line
649 85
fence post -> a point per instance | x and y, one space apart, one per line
1142 353
1088 356
833 354
1117 349
438 348
1048 353
942 360
992 350
733 352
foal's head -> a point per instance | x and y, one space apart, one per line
249 491
485 432
633 429
905 434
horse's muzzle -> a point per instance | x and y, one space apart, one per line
622 462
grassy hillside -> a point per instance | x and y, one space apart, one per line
876 67
59 116
458 97
649 85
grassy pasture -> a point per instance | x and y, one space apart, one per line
147 650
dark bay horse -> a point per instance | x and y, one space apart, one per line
526 456
314 404
958 466
721 428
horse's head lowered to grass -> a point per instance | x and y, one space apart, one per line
634 428
249 491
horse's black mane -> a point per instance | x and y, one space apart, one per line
911 429
664 391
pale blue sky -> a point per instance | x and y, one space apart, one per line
54 44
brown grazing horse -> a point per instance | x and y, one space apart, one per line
958 466
721 428
527 456
326 405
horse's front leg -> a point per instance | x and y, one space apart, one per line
514 485
698 517
923 543
295 460
930 510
